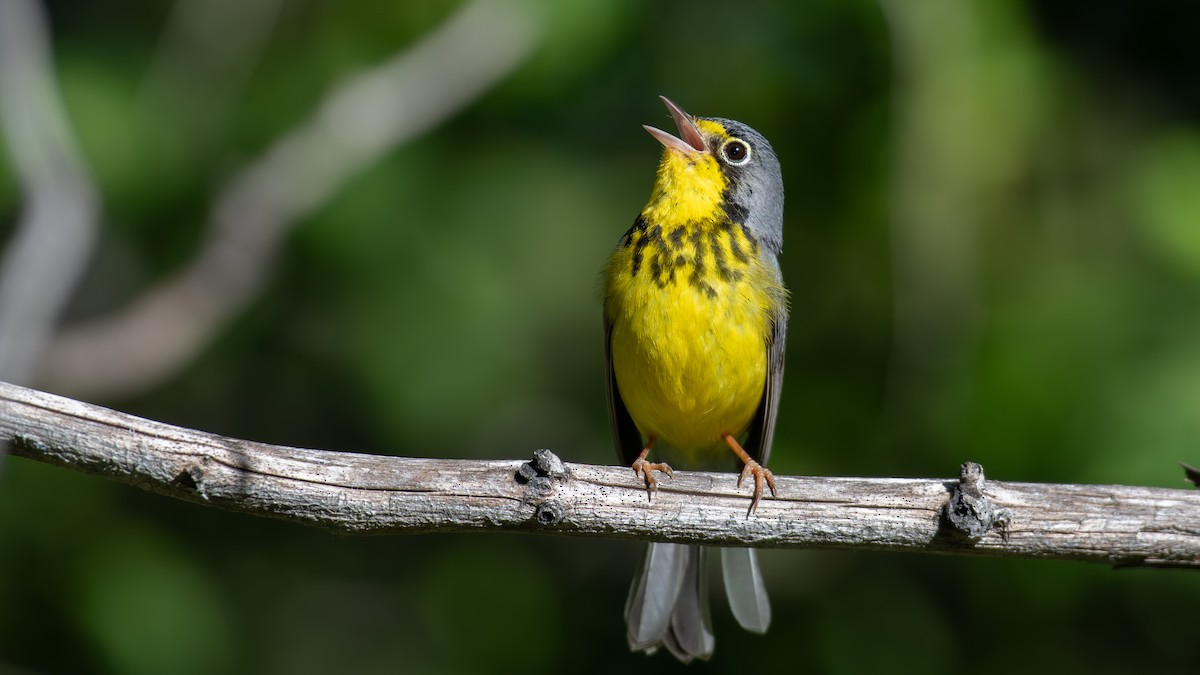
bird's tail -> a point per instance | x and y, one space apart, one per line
745 589
668 602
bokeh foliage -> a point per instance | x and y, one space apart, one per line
1029 170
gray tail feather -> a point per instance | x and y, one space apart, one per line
744 588
668 603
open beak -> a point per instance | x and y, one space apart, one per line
689 141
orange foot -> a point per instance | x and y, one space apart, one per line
761 473
643 468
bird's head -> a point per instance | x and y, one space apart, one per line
718 168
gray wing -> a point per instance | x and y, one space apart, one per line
762 426
626 437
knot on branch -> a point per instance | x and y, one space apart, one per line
542 471
549 514
192 480
540 475
969 512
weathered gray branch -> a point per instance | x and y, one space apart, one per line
355 493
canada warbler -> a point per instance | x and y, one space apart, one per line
695 316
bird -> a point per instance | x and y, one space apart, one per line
695 321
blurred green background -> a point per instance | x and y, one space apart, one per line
993 246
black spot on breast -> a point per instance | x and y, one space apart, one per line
699 268
639 248
662 269
656 236
639 225
677 238
735 247
719 260
750 238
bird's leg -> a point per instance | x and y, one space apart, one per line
647 469
760 472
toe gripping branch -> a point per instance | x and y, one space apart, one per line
646 469
761 473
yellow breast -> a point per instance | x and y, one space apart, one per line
691 308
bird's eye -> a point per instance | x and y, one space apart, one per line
736 151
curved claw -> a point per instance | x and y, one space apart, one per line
761 474
643 468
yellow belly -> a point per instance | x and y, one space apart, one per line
690 365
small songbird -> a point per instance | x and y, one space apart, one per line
695 316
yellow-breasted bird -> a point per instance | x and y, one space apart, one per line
695 316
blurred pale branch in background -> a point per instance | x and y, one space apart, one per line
204 57
370 494
359 121
55 234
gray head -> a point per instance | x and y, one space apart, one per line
755 194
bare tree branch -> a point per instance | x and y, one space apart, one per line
359 121
205 55
53 241
360 494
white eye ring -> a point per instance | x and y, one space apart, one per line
736 158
